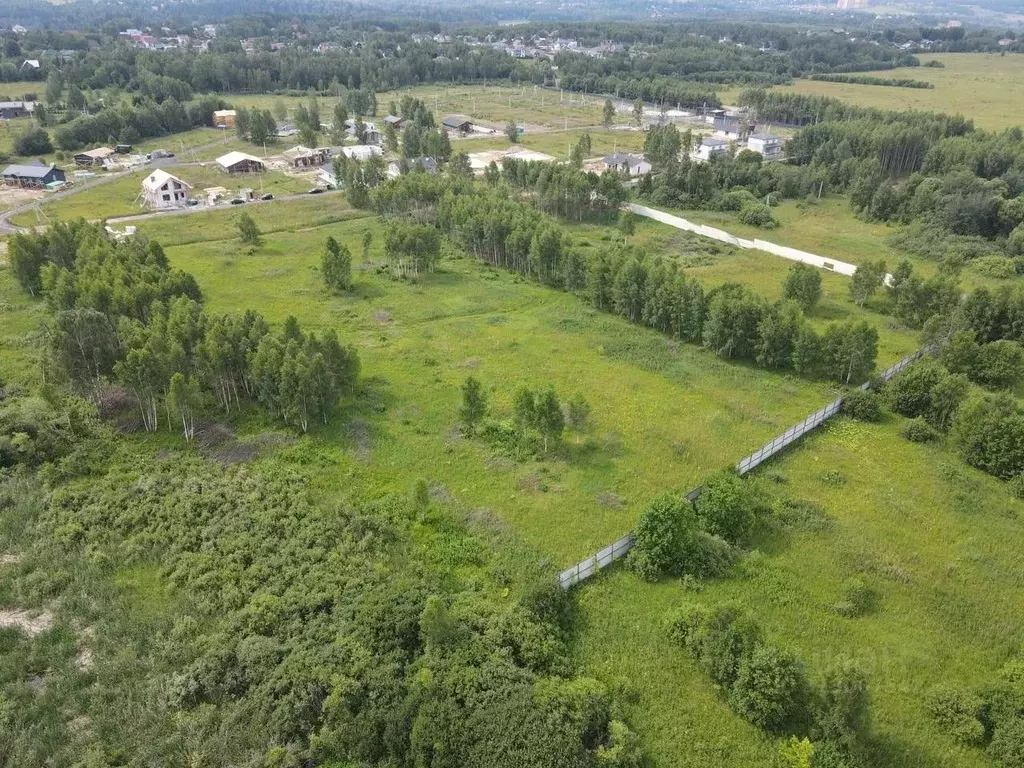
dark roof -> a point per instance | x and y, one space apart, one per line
456 121
29 171
428 164
711 141
765 136
393 119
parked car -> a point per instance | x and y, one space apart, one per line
316 191
267 196
237 201
192 202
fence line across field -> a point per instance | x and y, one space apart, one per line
620 547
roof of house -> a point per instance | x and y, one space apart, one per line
224 113
764 137
394 119
14 105
158 178
428 164
96 154
235 157
34 170
456 121
34 63
711 141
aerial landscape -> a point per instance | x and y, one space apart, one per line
500 385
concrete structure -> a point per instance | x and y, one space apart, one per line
304 157
12 109
162 190
224 118
426 164
710 147
33 174
765 144
98 156
240 162
631 165
362 152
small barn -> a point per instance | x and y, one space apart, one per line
395 121
163 190
631 165
10 110
33 174
457 123
224 118
305 157
98 156
240 162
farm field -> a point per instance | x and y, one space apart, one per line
986 87
931 536
418 342
558 143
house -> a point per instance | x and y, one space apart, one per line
30 63
727 127
33 174
240 162
710 147
425 164
12 109
326 178
286 129
123 149
224 118
631 165
162 190
395 122
765 144
371 134
458 123
304 157
362 152
98 156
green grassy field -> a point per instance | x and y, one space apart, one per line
558 143
120 197
986 87
418 342
932 537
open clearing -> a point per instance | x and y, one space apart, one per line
986 87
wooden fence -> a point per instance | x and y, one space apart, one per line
589 566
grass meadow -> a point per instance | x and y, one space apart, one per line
986 87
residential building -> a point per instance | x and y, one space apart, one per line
631 165
33 174
362 152
458 123
395 122
162 190
425 164
371 134
98 156
224 118
304 157
12 109
710 147
765 144
727 127
240 162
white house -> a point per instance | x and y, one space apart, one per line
710 147
371 134
631 165
397 167
765 144
162 190
362 152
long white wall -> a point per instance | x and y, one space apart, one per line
722 236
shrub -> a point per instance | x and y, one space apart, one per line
842 716
958 713
726 506
996 267
664 537
803 516
722 642
758 215
920 431
35 142
771 690
910 392
857 599
1000 364
1016 487
711 556
862 405
1008 743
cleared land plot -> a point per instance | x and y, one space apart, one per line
663 412
936 541
120 197
559 143
986 87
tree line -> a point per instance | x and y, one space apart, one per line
121 314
